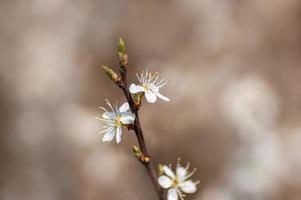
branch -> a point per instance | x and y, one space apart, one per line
147 80
138 131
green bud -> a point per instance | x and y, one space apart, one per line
146 159
142 158
121 46
136 151
111 74
123 57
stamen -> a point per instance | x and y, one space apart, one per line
161 85
99 118
105 130
161 82
117 121
109 104
149 79
178 162
116 108
187 166
156 78
148 76
191 173
103 109
102 131
142 77
180 194
107 121
138 78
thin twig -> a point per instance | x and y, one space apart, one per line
138 131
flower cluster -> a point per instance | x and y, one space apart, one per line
116 117
177 183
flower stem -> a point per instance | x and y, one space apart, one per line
138 131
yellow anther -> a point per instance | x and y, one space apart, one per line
117 121
175 182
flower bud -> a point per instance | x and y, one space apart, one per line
111 74
121 46
136 151
122 55
142 158
146 159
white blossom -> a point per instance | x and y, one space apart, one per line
179 183
114 120
150 86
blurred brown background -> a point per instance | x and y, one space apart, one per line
235 110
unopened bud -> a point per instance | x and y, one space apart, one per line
121 46
136 151
142 158
122 55
146 159
123 59
111 74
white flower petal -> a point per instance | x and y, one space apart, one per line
172 194
109 115
188 187
124 107
162 97
127 118
136 88
168 171
153 88
150 96
109 135
181 173
164 181
118 134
